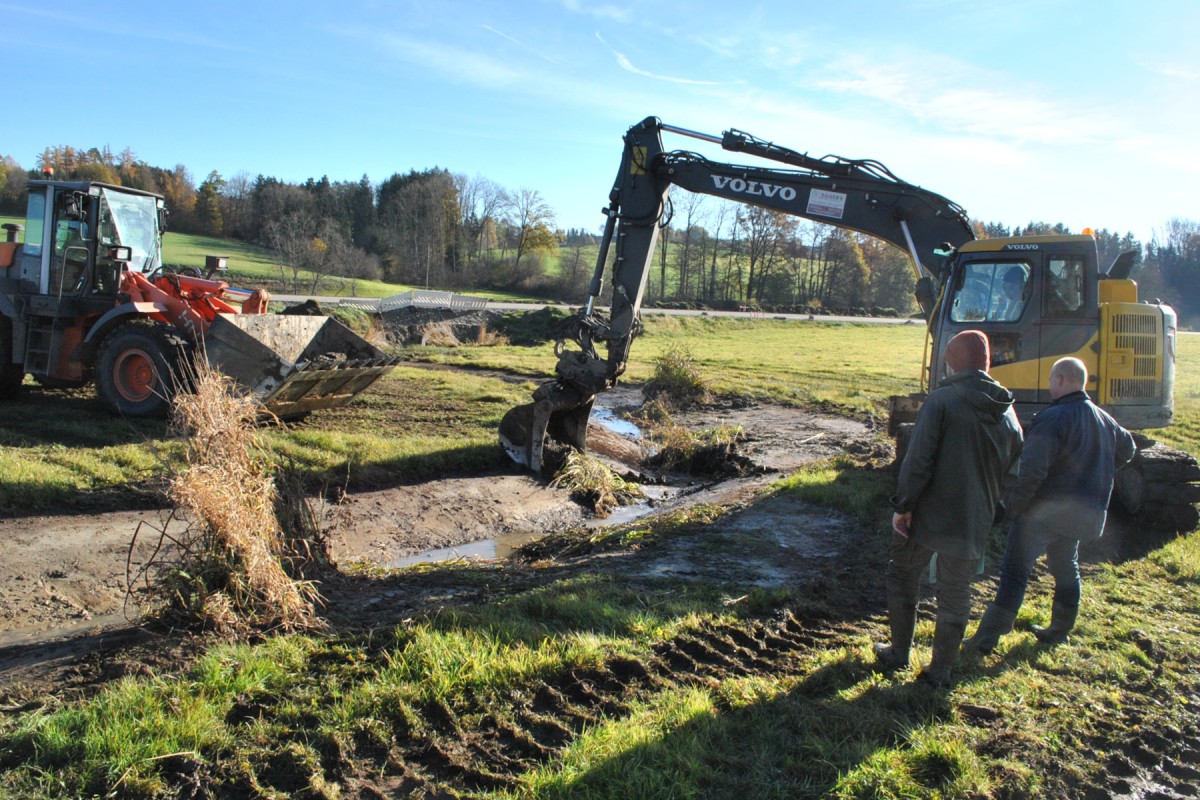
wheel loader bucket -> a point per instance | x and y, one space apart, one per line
558 412
294 364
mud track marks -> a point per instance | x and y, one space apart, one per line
436 749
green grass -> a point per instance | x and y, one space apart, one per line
849 368
284 714
307 716
400 428
412 425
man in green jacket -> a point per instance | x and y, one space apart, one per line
965 443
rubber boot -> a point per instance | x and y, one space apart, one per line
947 636
996 622
902 618
1062 621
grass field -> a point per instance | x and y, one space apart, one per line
852 369
251 266
562 678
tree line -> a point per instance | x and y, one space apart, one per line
439 229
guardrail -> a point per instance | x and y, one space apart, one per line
419 298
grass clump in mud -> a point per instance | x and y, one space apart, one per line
677 379
594 485
228 571
677 448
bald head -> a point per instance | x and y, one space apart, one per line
1066 376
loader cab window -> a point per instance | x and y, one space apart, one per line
991 291
35 224
1065 287
131 220
69 264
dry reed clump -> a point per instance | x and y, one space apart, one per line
230 573
438 334
444 334
594 484
711 451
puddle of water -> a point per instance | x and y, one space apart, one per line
505 546
608 418
500 547
655 496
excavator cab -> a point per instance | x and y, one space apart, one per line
1041 298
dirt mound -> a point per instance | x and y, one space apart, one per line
416 326
413 325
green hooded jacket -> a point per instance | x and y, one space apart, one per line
966 443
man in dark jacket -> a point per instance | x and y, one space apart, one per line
1073 450
965 442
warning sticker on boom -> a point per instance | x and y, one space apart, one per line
826 204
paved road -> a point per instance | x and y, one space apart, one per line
502 306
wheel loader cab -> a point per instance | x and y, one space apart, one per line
79 236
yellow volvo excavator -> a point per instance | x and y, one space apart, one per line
1038 298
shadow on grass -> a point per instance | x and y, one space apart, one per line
41 417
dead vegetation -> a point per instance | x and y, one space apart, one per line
445 334
230 567
594 485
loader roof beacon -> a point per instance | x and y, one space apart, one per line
1038 298
85 297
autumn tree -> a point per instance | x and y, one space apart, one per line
481 203
764 232
13 184
418 219
210 219
1173 256
532 220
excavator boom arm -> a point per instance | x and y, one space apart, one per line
861 195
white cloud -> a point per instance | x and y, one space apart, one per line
521 45
605 11
965 99
456 63
627 65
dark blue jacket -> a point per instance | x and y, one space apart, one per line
1072 451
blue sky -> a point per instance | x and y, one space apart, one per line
1086 113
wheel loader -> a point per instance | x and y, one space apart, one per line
1037 298
85 298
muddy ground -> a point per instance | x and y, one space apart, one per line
65 580
67 614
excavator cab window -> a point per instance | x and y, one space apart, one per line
1065 293
132 220
35 223
990 291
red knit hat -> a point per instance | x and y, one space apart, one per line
968 350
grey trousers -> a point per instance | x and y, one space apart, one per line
953 588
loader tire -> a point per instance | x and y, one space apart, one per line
137 369
11 374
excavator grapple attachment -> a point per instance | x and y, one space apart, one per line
558 412
294 364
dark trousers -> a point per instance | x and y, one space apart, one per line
1026 544
910 560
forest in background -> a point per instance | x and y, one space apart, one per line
442 230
